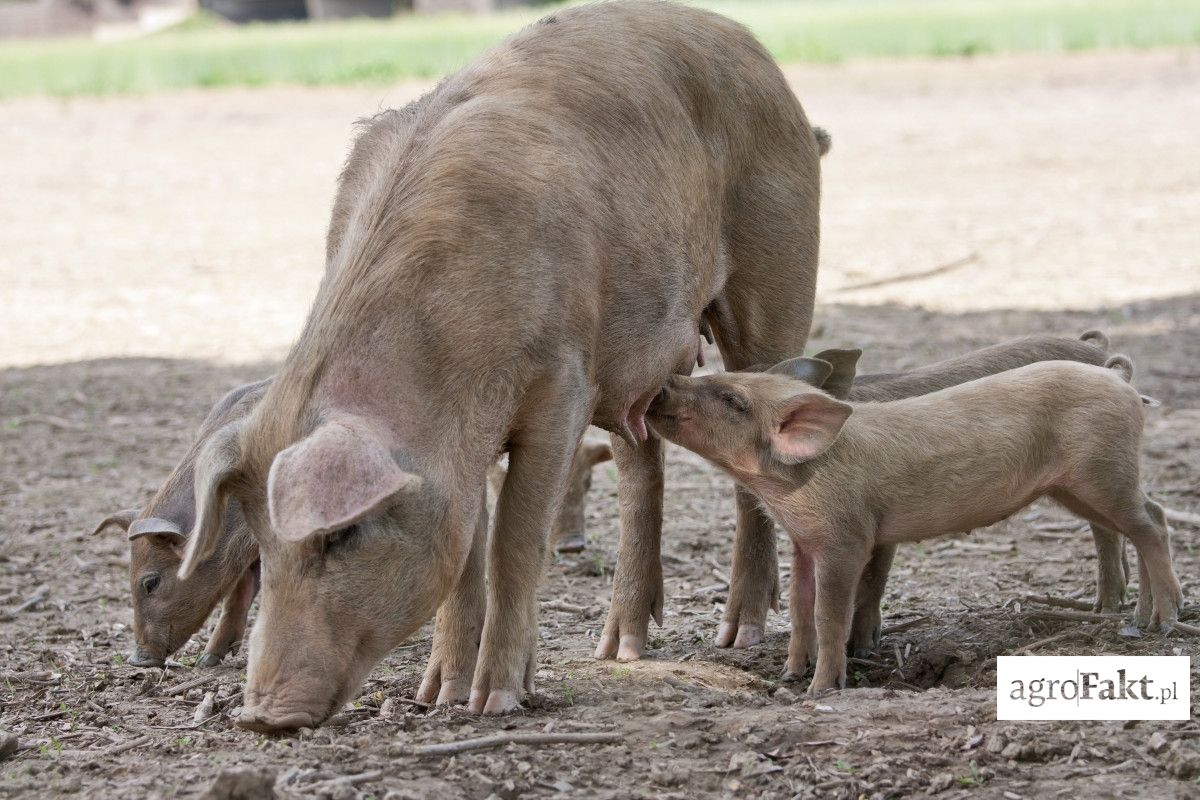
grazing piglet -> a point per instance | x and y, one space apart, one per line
168 609
842 382
845 478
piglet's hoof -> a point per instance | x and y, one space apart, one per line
499 701
209 660
607 646
574 542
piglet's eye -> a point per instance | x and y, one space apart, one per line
150 583
735 401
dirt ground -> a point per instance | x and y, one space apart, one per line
157 251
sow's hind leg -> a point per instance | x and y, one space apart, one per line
762 318
637 583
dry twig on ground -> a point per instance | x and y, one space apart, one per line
501 739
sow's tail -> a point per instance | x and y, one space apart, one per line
1095 337
1124 367
824 140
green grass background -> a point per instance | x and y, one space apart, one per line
204 52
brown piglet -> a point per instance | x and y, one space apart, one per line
168 609
842 382
844 478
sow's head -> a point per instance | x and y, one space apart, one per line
357 551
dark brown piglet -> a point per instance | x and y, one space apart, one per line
168 609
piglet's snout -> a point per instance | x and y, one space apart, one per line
667 397
144 658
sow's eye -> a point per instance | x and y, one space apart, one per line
150 583
735 401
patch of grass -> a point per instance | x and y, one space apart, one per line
204 52
53 747
974 779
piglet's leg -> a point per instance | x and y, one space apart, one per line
567 535
638 581
867 627
838 571
1151 536
232 626
802 647
1141 520
1111 569
457 630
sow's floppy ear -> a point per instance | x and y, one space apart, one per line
806 425
845 368
216 465
338 474
813 371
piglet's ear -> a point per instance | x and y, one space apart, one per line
218 464
812 371
155 526
342 472
807 425
122 519
845 367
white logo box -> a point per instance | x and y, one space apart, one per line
1093 687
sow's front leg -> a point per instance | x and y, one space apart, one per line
638 581
458 628
539 462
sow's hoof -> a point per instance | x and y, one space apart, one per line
500 701
739 636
